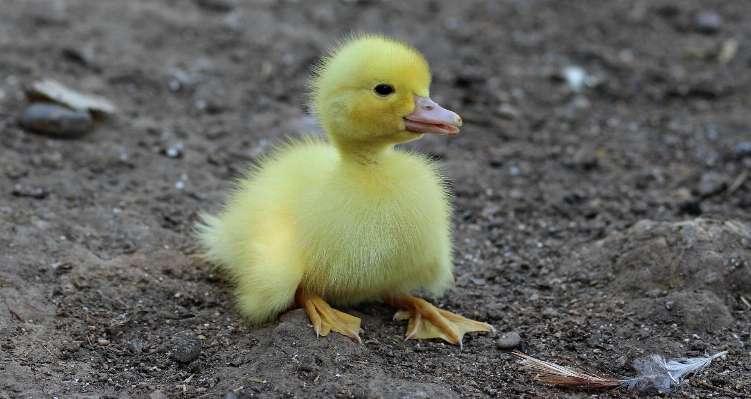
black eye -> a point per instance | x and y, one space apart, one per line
383 90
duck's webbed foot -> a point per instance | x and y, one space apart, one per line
427 321
325 318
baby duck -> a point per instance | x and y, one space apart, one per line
352 219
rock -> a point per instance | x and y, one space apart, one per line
696 268
509 340
708 22
478 281
56 120
24 190
577 78
174 151
742 148
187 352
55 91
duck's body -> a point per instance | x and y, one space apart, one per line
335 228
349 220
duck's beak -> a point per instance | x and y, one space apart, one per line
430 117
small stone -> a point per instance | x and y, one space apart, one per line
55 91
478 281
174 151
669 305
509 340
24 190
56 120
742 148
236 362
102 342
187 352
708 22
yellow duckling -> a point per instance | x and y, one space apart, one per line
352 220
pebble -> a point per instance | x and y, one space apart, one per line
102 342
187 352
55 91
742 148
509 340
174 151
56 120
24 190
708 22
237 362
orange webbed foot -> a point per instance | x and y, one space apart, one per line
325 318
427 321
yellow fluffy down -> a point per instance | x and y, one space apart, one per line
346 231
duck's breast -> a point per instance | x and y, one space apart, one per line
379 230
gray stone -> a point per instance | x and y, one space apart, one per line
509 340
708 22
56 120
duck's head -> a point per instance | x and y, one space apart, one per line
372 91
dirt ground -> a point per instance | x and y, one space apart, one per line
576 200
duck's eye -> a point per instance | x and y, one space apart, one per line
384 90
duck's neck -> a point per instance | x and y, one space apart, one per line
368 154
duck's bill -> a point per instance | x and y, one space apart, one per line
430 117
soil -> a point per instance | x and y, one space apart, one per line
576 200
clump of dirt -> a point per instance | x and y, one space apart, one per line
691 273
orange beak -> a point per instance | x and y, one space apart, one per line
429 117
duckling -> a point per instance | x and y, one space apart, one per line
351 219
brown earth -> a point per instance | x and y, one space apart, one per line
574 217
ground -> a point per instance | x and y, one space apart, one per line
575 200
